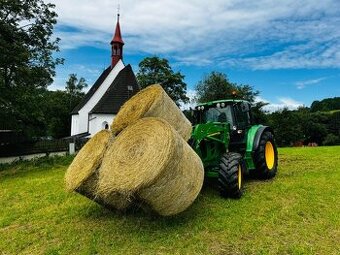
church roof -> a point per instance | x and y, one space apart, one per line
118 36
122 88
92 90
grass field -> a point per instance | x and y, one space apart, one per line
296 213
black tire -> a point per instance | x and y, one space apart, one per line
265 156
230 178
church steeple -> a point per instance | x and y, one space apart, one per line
116 45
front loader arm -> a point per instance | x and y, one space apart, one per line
210 141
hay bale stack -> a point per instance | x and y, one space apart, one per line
150 161
82 174
152 101
82 171
178 187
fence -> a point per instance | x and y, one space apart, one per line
19 147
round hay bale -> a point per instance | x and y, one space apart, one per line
87 161
178 187
82 174
152 101
114 201
149 160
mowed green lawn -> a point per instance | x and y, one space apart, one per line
296 213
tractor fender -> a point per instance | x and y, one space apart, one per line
258 135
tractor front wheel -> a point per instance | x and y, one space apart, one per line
230 178
265 156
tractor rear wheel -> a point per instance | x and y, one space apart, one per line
230 178
265 156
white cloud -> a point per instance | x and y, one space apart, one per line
89 72
280 104
73 40
262 34
303 84
261 99
191 93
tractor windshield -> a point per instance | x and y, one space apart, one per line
218 115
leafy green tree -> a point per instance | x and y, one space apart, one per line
333 124
259 116
26 61
287 127
154 70
304 125
327 104
57 113
74 88
331 139
59 104
26 43
216 86
313 125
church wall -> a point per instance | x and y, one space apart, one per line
97 122
75 124
83 112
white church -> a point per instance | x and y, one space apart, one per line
111 90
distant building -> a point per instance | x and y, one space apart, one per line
111 90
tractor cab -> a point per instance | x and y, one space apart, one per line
230 146
235 113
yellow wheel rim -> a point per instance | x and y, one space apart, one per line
269 155
239 177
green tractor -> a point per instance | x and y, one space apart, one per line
230 146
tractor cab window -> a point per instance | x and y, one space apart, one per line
218 115
242 115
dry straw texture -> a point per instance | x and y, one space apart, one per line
177 189
82 173
152 102
149 160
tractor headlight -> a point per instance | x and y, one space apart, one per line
218 105
202 108
222 105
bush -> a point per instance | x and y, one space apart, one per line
331 139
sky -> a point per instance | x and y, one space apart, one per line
288 50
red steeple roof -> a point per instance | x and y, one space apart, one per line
118 36
116 45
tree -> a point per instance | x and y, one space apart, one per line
216 86
74 88
287 127
26 61
331 139
259 116
314 125
154 70
59 104
327 104
26 44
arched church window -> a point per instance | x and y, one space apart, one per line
105 125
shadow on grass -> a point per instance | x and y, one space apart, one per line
202 208
136 217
